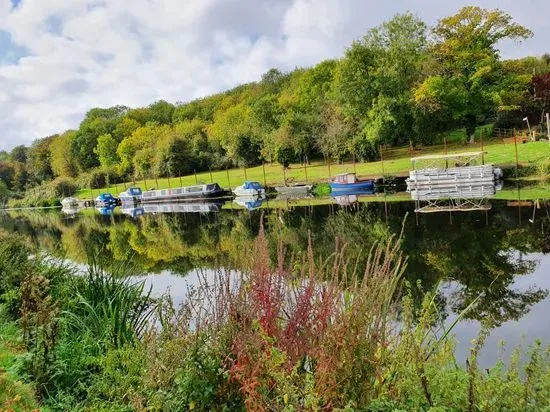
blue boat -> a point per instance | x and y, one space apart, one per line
347 183
106 200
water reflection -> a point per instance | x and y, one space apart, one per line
484 257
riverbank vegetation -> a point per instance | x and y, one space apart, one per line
403 85
289 333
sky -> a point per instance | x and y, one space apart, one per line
59 58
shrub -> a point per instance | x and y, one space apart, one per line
64 187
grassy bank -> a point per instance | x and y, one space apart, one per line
396 162
99 342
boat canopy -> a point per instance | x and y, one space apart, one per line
105 196
345 178
134 191
252 186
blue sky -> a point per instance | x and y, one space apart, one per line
59 58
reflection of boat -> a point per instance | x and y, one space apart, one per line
453 192
106 200
131 195
345 200
294 191
132 210
70 210
106 210
182 207
182 193
293 196
347 182
249 189
250 202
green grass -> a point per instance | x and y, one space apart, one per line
396 162
15 395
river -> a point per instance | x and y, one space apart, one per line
498 255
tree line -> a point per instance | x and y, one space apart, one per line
402 83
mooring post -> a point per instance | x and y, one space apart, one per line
305 169
354 168
329 174
157 182
263 169
284 175
196 179
169 184
482 154
245 176
210 171
181 184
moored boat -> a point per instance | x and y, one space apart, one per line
348 182
250 202
131 195
106 200
182 193
249 189
70 203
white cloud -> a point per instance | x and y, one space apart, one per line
87 53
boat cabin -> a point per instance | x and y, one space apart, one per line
345 178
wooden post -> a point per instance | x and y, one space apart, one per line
210 171
181 184
482 154
169 184
382 160
305 169
265 179
446 160
245 176
284 175
157 182
354 167
329 174
516 148
196 179
145 180
228 181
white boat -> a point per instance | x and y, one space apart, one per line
70 203
249 189
131 195
182 193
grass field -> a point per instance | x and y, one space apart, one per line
396 162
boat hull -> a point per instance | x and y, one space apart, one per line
366 185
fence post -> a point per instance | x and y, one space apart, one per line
516 147
382 160
228 181
446 160
482 154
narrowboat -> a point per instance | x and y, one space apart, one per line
249 189
106 200
131 195
348 182
182 193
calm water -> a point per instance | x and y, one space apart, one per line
501 255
